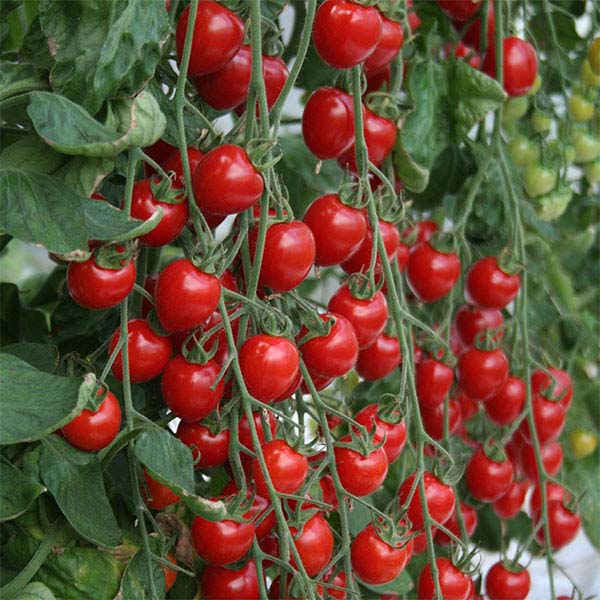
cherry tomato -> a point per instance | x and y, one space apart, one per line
469 517
221 542
218 583
554 384
413 19
462 51
160 151
94 287
480 373
507 403
388 46
563 524
552 457
392 434
275 75
326 591
314 545
433 419
583 443
173 163
380 358
420 232
148 353
226 182
460 10
379 81
186 388
93 430
218 35
244 434
520 65
338 229
502 583
287 468
289 254
580 108
488 286
523 151
509 505
360 475
345 34
367 316
487 479
468 406
376 562
453 583
156 495
433 381
471 323
431 274
438 495
334 354
208 449
170 574
549 418
260 511
554 491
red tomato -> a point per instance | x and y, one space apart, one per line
431 274
433 419
94 287
520 65
549 418
472 36
433 381
314 545
438 496
376 562
345 34
221 542
460 10
360 475
392 434
472 323
156 495
468 406
379 81
554 491
380 358
413 18
148 353
218 35
275 75
173 163
462 51
287 468
186 388
552 457
160 151
424 231
319 381
487 479
208 449
507 403
226 182
218 583
509 505
388 46
368 317
469 516
554 385
563 523
502 583
288 256
260 511
92 431
325 590
338 229
488 286
244 435
453 583
334 354
480 372
170 574
150 287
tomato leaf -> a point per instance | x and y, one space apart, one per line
31 154
74 478
136 579
401 585
17 492
85 174
18 78
17 322
42 357
35 591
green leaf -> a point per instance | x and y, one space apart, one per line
74 478
35 48
171 463
34 403
17 491
35 591
104 48
85 174
31 154
17 322
69 128
135 582
42 357
401 585
18 78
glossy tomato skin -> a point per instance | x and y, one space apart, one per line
433 419
481 372
487 479
376 562
520 65
334 354
275 74
345 34
260 509
360 475
388 46
554 385
92 431
208 449
289 254
338 229
170 574
219 583
315 544
552 457
472 36
469 516
185 296
94 287
226 182
431 274
380 358
173 163
509 505
392 434
368 316
186 388
488 286
148 352
505 584
244 435
453 583
549 418
460 10
472 321
507 403
218 35
287 468
156 495
438 495
433 381
563 523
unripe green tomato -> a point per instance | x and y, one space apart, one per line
592 172
564 151
541 122
580 109
538 180
535 88
514 108
583 443
594 56
523 151
587 75
587 147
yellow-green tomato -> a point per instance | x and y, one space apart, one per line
587 147
514 108
583 443
588 76
538 180
541 122
537 84
592 172
594 56
580 109
565 152
523 151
